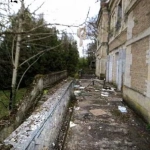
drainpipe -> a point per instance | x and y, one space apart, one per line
109 17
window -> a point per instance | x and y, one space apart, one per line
97 42
119 16
112 24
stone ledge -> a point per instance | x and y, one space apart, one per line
41 128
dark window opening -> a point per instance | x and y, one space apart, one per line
119 16
98 42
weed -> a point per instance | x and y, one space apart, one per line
45 91
121 116
116 112
148 127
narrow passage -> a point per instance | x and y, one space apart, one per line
101 121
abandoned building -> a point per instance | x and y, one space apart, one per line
123 50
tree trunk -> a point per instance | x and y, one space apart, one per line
15 67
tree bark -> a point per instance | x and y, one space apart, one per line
17 54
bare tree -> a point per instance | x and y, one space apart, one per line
92 29
21 38
16 60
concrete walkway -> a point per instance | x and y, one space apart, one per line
101 121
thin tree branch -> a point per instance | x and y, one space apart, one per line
30 4
38 8
39 54
36 39
87 15
41 34
36 45
26 71
47 24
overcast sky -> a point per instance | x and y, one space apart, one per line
70 12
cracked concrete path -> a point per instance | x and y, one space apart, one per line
98 124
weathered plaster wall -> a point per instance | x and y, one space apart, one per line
140 103
119 40
102 48
139 67
127 79
97 71
147 81
141 15
41 129
134 37
136 91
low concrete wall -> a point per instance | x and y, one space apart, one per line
33 94
40 130
36 90
138 102
51 78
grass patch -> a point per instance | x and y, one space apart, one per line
76 76
4 100
148 127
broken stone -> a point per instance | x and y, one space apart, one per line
76 108
98 112
115 99
96 90
122 109
111 89
104 93
77 93
70 109
81 88
72 124
76 86
53 144
13 140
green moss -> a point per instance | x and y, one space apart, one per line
131 102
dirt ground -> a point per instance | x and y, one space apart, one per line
102 121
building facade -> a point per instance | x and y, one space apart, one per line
128 60
102 42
